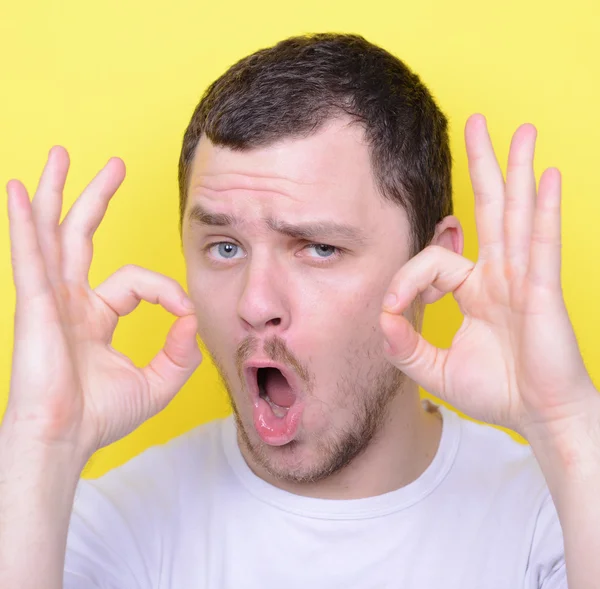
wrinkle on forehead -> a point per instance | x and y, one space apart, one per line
250 178
335 154
218 184
325 176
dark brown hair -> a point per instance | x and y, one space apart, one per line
291 89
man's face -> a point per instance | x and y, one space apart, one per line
289 253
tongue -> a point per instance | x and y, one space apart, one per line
278 389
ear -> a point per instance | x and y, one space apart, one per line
448 234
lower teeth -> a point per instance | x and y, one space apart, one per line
277 410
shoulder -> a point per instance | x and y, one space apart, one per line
161 471
499 478
496 496
122 521
490 457
496 477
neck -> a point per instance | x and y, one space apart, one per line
400 452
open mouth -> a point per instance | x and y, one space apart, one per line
277 401
274 388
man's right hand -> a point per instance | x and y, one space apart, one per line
68 385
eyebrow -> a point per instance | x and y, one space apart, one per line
312 230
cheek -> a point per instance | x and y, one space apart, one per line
353 307
339 315
337 338
213 311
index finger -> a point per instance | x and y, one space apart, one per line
84 218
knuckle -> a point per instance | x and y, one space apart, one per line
433 252
130 269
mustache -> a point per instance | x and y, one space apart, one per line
276 350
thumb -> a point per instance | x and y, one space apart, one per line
169 370
411 353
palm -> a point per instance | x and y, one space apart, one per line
72 349
514 360
475 370
68 383
114 395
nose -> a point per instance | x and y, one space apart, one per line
263 304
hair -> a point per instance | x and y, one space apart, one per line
292 89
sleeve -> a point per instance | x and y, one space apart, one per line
546 565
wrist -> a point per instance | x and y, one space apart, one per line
26 428
38 482
569 452
22 452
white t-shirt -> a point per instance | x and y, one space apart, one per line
190 514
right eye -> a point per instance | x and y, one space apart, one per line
225 250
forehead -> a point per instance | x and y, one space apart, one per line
331 163
323 178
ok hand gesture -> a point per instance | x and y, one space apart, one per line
515 361
68 385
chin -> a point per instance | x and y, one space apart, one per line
303 460
293 461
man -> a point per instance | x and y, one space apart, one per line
316 222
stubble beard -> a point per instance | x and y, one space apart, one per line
370 392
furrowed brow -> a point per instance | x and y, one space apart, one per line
200 216
309 231
314 231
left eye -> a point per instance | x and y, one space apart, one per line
225 250
323 250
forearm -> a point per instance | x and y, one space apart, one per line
579 515
571 466
37 488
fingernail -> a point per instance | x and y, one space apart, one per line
187 303
390 300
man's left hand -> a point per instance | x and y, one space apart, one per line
515 361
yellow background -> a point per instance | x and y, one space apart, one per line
121 77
